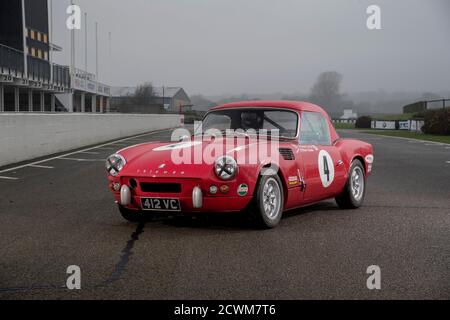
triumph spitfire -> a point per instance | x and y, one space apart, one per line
261 158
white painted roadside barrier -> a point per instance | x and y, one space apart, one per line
407 125
383 125
416 125
26 136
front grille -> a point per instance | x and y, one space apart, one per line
161 187
287 154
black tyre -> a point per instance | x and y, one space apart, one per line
355 190
131 215
268 202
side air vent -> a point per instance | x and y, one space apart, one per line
287 154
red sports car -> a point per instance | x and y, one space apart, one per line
258 157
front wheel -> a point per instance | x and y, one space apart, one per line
268 202
355 190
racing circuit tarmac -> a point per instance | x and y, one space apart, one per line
58 213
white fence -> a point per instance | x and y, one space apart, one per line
384 125
28 136
407 125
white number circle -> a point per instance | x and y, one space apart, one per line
326 168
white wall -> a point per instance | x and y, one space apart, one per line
417 125
27 136
411 125
383 125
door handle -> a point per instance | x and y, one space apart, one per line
339 163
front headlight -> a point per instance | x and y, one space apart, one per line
226 168
114 164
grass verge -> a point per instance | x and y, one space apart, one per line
344 126
410 135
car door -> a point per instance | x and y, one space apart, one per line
322 162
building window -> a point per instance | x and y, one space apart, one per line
33 35
39 36
45 38
45 55
33 52
39 52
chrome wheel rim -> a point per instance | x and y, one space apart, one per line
357 183
271 198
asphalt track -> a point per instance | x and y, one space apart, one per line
59 213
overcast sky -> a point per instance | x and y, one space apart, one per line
264 46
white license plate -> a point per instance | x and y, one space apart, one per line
160 204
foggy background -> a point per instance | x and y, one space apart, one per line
268 49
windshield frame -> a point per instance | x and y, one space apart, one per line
297 136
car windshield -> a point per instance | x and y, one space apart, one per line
268 122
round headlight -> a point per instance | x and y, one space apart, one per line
226 168
114 164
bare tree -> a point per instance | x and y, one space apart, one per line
201 103
326 92
144 94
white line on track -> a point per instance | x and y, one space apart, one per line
81 160
8 178
415 140
88 152
76 152
41 167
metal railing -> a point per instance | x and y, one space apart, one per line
61 76
82 74
11 61
435 104
38 69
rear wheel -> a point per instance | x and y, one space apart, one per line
130 215
268 203
355 190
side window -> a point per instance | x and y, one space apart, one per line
217 121
314 130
